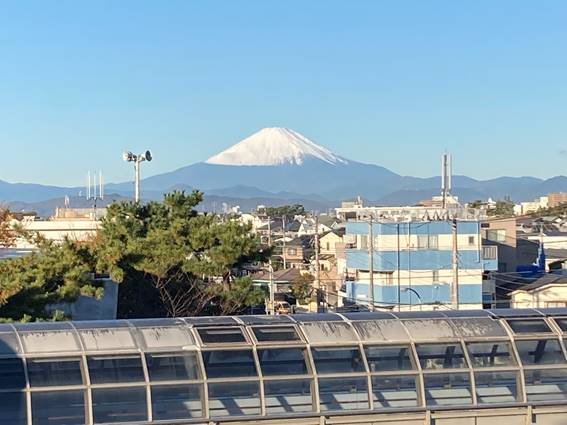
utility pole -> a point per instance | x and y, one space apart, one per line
271 271
317 263
455 285
283 245
371 262
398 268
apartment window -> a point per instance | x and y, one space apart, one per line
328 245
472 241
496 235
489 253
387 278
291 251
363 242
435 276
427 242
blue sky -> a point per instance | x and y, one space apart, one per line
388 82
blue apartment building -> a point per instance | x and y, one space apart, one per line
413 264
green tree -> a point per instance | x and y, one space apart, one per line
55 273
475 204
7 232
287 211
238 297
302 288
171 260
502 208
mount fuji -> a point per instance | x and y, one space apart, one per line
278 160
275 146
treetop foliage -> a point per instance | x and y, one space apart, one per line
168 260
287 211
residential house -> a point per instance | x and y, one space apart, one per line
548 291
281 279
513 253
298 252
331 240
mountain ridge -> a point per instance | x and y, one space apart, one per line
279 163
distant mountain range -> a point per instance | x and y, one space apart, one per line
279 165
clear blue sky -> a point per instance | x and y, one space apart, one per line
388 82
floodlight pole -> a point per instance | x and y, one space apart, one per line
137 159
137 179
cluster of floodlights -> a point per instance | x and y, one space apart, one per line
137 159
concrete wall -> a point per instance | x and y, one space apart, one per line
89 308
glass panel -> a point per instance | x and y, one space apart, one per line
119 369
543 351
283 361
221 336
319 317
119 405
49 341
496 387
271 334
166 337
9 343
61 372
107 339
13 409
479 328
177 402
329 331
343 393
394 391
562 323
529 326
288 396
447 389
234 399
172 367
229 363
58 408
12 374
266 320
381 330
546 384
490 354
430 329
384 358
337 360
441 356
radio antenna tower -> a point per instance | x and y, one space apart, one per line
92 193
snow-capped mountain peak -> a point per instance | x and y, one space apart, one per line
275 146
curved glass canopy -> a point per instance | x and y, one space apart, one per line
196 370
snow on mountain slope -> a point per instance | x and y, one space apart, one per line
274 146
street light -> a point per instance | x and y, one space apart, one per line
415 292
136 159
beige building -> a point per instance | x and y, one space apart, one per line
556 198
546 292
74 224
331 241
